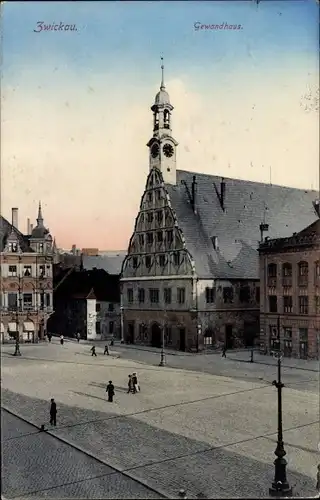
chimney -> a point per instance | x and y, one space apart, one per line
31 228
15 217
73 249
28 226
263 228
222 193
194 194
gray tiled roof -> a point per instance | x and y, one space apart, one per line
110 263
247 205
5 230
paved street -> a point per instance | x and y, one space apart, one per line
35 464
210 433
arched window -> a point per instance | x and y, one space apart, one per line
166 118
303 273
287 270
303 268
272 270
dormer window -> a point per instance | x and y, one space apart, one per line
13 247
40 247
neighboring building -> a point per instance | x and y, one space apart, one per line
109 262
191 274
26 279
87 302
90 251
290 293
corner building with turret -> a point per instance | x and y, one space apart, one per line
190 278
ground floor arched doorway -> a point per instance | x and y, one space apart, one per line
209 338
156 335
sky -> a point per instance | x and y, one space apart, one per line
76 104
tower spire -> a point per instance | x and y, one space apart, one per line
40 218
162 86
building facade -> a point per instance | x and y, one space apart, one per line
190 278
26 280
290 293
86 302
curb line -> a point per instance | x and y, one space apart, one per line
89 454
271 364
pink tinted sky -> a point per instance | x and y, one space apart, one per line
76 112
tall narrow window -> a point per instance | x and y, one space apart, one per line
181 295
167 295
210 295
130 295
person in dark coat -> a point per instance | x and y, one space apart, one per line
53 412
93 350
78 337
110 391
130 384
49 337
224 350
61 339
135 384
106 350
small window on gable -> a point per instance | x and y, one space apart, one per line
141 239
214 241
150 217
150 196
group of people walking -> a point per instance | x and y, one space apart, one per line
133 385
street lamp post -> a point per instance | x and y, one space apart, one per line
280 486
17 345
163 356
121 323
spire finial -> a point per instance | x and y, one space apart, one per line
40 218
162 86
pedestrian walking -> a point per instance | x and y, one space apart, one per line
112 340
224 350
61 339
130 384
106 350
135 383
93 350
78 337
110 391
49 337
53 412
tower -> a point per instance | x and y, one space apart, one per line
162 146
41 239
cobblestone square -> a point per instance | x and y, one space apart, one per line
208 434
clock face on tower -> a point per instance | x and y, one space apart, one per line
155 150
168 150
